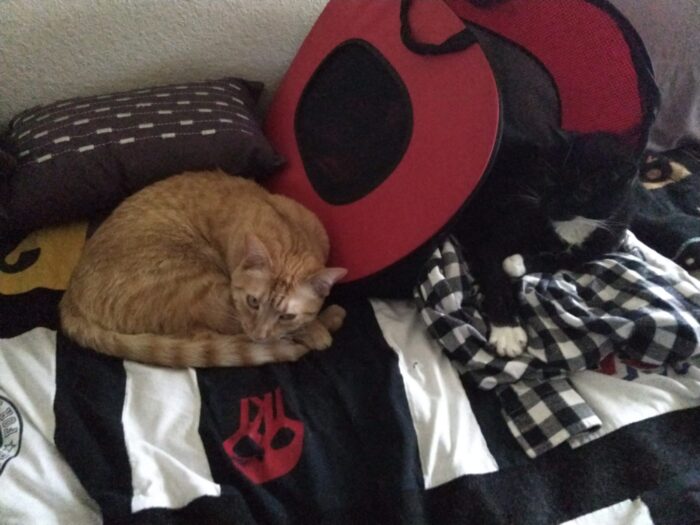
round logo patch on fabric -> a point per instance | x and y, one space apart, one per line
10 432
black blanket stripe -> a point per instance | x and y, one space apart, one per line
564 483
23 312
359 450
677 501
90 390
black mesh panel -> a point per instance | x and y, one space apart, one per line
353 123
529 97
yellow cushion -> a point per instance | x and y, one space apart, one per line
44 259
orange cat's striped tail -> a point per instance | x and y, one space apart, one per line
205 350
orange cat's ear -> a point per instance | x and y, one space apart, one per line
256 255
323 281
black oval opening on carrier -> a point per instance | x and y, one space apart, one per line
353 123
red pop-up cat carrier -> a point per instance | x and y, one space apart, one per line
390 114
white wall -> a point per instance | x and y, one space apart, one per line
670 30
54 49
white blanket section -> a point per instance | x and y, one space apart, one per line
36 486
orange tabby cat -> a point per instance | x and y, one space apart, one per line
204 269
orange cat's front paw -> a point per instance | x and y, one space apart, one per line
332 317
314 336
290 351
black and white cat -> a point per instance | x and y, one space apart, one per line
542 209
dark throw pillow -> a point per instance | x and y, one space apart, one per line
80 157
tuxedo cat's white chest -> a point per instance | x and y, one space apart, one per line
575 231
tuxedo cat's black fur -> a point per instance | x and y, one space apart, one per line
542 209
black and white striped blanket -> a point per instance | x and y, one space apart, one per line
635 303
377 429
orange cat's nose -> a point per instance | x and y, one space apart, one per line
260 335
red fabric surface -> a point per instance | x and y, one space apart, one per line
584 50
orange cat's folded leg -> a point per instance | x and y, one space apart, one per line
313 335
332 317
316 335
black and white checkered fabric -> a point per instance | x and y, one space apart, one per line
634 302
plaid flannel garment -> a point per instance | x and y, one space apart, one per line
634 302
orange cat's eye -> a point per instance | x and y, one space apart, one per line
252 302
287 317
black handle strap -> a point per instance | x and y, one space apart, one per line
457 42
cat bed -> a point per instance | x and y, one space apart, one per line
634 303
388 118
